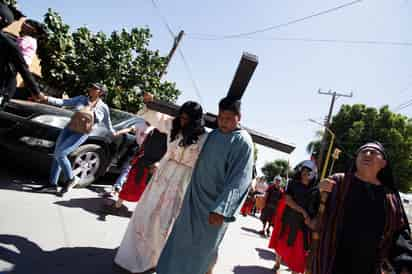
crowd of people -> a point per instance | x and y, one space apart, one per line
189 183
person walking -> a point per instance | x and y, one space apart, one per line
70 138
160 203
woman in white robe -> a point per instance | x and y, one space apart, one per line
160 204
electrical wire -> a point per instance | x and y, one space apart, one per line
164 20
195 86
186 64
231 36
403 105
313 40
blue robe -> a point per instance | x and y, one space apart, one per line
219 184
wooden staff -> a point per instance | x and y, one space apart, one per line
323 198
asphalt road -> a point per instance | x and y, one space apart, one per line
41 233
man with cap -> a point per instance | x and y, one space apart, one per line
12 60
70 140
218 186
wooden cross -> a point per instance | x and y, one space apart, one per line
243 74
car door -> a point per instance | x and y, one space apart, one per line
32 126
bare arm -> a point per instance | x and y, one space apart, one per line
124 131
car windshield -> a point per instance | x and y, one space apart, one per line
118 116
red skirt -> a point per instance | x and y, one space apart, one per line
247 207
293 256
132 190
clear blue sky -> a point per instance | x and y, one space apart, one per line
282 95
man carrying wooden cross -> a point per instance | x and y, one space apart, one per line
219 183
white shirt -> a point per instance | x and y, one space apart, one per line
142 129
261 187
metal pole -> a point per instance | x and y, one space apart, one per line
327 121
316 234
331 167
325 165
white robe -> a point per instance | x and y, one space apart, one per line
159 205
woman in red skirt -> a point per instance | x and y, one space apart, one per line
142 165
248 204
290 237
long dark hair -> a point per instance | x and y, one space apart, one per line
193 129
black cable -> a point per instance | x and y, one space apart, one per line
312 40
231 36
164 19
191 76
167 25
403 105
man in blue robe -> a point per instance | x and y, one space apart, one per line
218 186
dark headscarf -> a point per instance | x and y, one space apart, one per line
9 14
39 30
385 175
6 15
230 104
193 129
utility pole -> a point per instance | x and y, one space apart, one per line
334 95
173 50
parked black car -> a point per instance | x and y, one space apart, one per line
29 131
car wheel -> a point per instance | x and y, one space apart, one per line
87 163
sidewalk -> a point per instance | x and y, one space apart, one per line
41 233
245 251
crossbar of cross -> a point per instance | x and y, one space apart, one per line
244 72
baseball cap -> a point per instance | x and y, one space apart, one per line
101 87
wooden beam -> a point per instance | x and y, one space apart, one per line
244 72
211 122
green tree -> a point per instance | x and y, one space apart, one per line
72 60
315 145
357 124
277 167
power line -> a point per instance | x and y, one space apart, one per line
231 36
403 106
187 67
312 40
164 20
195 86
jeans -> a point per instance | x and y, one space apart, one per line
66 143
123 174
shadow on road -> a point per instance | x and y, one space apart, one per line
266 254
30 258
251 230
95 206
99 190
249 269
25 186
